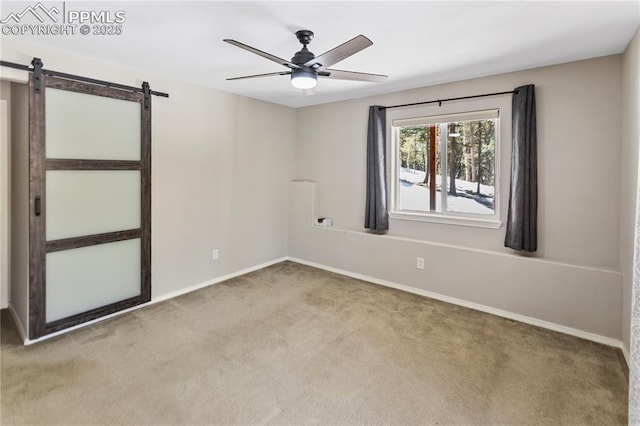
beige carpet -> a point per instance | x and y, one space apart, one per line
291 344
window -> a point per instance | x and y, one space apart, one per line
445 168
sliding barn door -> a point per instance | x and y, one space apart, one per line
90 188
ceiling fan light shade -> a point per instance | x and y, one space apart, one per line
303 79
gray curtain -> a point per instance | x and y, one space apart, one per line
522 221
375 218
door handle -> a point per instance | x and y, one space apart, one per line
37 205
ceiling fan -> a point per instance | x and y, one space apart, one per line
305 67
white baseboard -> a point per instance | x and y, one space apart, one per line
21 331
476 306
216 280
625 352
460 302
153 301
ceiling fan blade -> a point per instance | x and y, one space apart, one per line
263 54
269 74
352 75
309 92
339 53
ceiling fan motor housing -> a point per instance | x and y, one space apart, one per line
302 57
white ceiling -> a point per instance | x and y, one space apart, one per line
417 43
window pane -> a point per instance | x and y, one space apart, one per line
418 154
86 278
463 151
85 126
85 202
471 167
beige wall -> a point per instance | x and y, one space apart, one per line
19 254
578 158
5 137
578 108
629 171
220 167
219 179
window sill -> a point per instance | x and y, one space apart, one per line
448 220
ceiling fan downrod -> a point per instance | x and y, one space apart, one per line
304 55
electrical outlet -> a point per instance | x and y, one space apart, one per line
420 262
216 254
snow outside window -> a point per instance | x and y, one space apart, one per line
445 168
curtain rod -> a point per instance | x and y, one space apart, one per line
440 101
80 78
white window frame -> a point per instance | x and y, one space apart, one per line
453 111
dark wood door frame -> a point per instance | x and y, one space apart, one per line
39 164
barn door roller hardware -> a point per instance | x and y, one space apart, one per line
37 74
